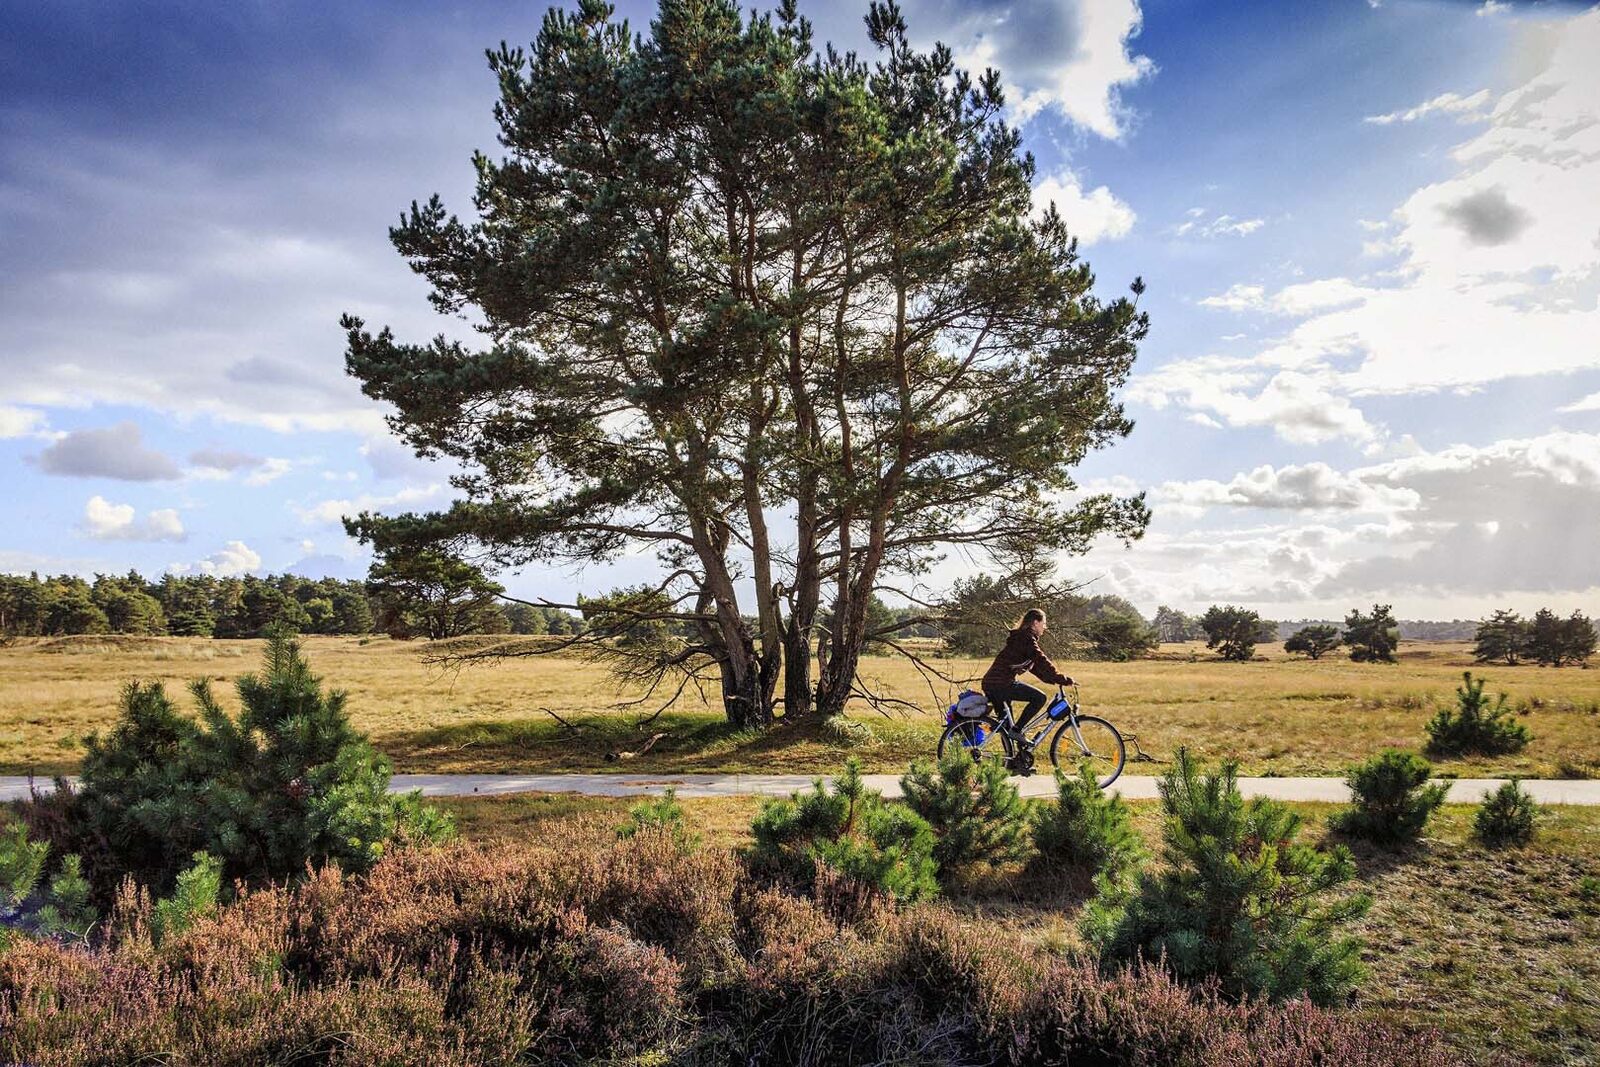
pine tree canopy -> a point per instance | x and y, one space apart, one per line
768 312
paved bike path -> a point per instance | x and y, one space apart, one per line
1132 786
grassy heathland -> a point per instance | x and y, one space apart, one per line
1278 716
1498 950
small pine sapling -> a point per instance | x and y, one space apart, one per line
67 909
195 896
662 815
1506 817
21 863
1391 799
1086 830
978 817
1239 898
1478 727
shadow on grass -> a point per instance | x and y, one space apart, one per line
690 742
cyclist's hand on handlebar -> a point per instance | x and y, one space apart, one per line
1065 681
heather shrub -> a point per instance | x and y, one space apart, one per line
1477 726
1391 799
287 783
1506 817
551 953
885 847
977 816
1086 830
1239 900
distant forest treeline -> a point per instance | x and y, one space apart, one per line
208 606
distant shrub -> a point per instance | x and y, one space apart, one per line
1086 830
1506 817
287 783
1391 799
977 816
1239 899
1476 726
885 847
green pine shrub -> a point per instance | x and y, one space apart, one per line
194 896
21 863
67 910
286 783
1477 726
1239 898
887 848
660 815
1391 799
978 817
1506 817
1086 831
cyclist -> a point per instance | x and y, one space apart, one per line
1021 653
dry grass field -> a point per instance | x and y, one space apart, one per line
1496 949
1278 716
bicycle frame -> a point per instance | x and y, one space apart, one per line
1052 715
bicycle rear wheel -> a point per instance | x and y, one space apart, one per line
964 735
1096 743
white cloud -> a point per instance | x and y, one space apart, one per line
1196 225
1300 406
1239 297
1071 56
330 512
1089 216
270 470
1312 487
1588 403
105 521
20 422
1465 108
233 560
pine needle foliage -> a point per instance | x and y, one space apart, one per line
21 863
1506 817
1478 726
851 829
977 816
287 783
1087 830
1391 798
1239 898
659 815
67 909
195 894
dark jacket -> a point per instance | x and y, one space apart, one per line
1022 653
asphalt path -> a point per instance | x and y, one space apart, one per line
1131 786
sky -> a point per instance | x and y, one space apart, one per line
1369 231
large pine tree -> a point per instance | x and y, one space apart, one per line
771 313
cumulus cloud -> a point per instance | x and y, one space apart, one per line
115 452
270 470
105 521
1300 406
1312 487
233 560
20 422
1071 56
1090 216
1465 108
1588 403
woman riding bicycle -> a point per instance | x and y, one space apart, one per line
1021 654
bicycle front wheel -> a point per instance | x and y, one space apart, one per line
1095 742
979 737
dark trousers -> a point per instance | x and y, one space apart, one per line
1002 695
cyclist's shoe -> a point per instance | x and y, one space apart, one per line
1020 763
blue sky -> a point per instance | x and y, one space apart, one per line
1369 234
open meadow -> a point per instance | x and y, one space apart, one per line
1277 716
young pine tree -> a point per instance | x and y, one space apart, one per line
977 815
1391 798
1478 726
1086 830
885 847
1239 899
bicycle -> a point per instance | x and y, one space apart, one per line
1089 738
